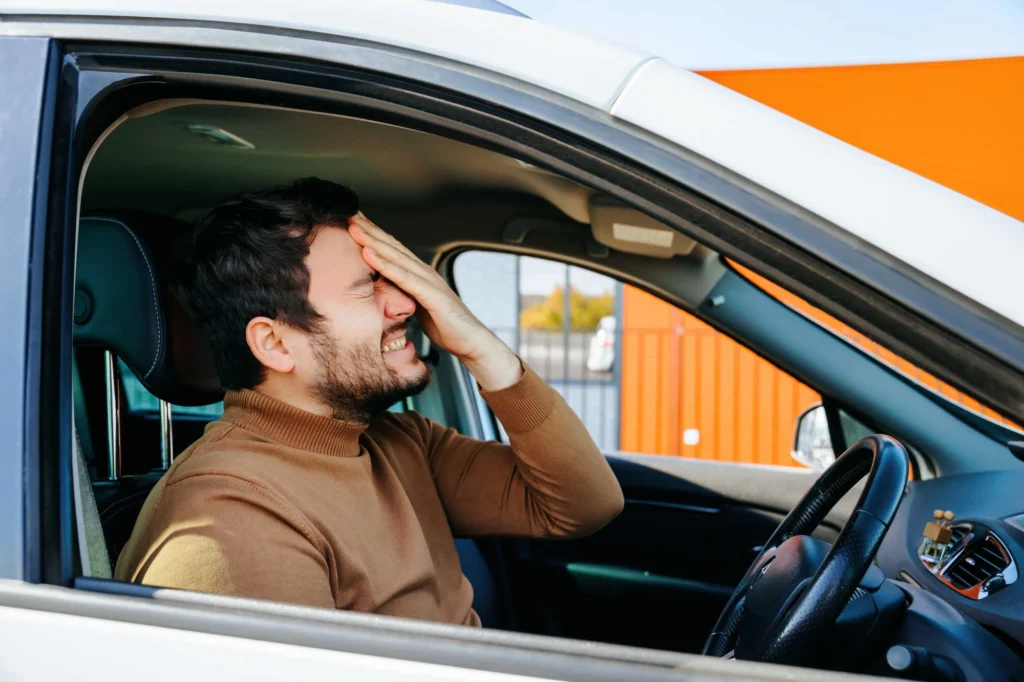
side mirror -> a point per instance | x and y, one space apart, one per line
812 444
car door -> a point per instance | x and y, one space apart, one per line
697 429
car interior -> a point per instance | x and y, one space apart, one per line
662 574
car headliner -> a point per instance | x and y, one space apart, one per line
152 162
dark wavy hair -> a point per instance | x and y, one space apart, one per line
247 259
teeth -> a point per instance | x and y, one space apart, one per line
397 344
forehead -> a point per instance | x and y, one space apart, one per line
334 261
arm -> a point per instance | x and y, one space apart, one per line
552 481
219 534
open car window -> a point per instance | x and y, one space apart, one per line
645 376
138 399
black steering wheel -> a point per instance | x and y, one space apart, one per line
790 596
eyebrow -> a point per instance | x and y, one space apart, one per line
369 278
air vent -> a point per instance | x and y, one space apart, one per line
978 564
958 534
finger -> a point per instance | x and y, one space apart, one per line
394 253
406 280
365 225
366 233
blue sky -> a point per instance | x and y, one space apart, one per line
743 34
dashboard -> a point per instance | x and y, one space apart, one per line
980 575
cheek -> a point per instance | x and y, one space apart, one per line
306 361
357 325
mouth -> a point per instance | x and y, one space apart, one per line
397 344
394 340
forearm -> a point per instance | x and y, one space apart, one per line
569 487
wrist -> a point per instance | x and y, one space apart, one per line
494 365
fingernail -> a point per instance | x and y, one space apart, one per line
356 228
372 252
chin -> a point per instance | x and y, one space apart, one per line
417 374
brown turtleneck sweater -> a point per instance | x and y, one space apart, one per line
274 502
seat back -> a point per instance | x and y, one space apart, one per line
486 597
123 306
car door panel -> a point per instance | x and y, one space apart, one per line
688 531
27 72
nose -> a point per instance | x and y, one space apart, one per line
398 305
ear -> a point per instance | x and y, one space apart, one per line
266 343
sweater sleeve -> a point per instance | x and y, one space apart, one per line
551 481
256 548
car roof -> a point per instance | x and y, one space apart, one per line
954 240
586 69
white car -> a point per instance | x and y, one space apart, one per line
601 355
123 120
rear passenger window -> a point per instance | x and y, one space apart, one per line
139 399
643 375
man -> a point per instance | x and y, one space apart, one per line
308 490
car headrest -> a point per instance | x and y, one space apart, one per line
123 303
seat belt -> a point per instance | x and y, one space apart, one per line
81 416
92 545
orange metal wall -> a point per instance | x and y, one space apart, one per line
956 123
678 373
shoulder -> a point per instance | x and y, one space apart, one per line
224 486
228 457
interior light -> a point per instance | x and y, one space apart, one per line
219 136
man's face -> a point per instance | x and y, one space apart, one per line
361 363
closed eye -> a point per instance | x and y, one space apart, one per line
365 285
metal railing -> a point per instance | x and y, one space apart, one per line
684 391
582 373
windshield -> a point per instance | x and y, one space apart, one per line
981 416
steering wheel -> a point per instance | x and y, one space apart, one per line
790 596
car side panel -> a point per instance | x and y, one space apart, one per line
24 63
94 650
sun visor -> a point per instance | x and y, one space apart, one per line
626 229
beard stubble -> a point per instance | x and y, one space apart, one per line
357 383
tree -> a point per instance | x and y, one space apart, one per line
584 311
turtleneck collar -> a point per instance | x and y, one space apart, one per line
291 426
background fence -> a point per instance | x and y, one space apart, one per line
684 390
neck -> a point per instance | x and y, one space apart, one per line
289 394
291 425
